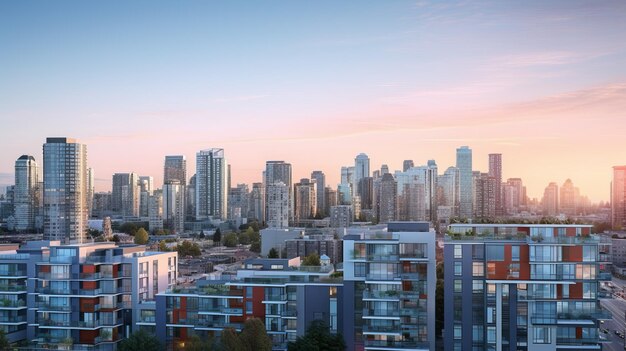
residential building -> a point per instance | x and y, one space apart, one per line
25 195
569 196
341 216
211 184
486 193
146 187
175 168
448 189
277 205
305 200
618 198
466 194
320 185
173 196
238 202
155 211
65 190
387 199
256 207
406 164
91 190
278 172
125 194
315 244
524 287
389 288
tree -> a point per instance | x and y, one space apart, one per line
311 260
115 239
273 253
141 236
255 247
140 341
194 343
230 340
244 238
230 240
254 336
5 345
187 248
163 246
217 237
318 338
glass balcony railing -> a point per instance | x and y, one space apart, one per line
380 313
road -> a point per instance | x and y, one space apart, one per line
617 307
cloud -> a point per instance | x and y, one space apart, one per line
548 58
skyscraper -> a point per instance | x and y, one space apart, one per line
277 206
387 199
25 193
146 186
125 194
495 171
278 172
361 170
431 190
466 194
486 190
175 168
320 180
513 195
174 206
568 198
448 190
256 207
550 200
305 201
618 198
211 184
91 189
407 164
65 190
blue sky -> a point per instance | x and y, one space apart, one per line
282 79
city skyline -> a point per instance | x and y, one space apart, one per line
529 81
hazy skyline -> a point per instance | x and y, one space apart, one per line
316 83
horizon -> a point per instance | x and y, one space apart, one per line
315 84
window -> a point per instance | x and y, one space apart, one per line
360 269
249 292
478 252
542 336
458 268
458 332
515 253
248 307
491 335
495 253
458 251
589 253
458 285
477 286
478 269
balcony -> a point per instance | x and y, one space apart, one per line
382 277
380 313
13 320
12 304
393 295
604 276
289 313
392 344
19 274
383 258
13 288
50 276
43 307
391 329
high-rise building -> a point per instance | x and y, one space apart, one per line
513 196
211 184
175 168
65 190
513 287
387 199
174 206
25 202
618 198
466 194
389 288
277 205
305 200
495 171
384 169
320 180
365 189
278 172
486 192
341 216
569 198
331 198
411 194
361 170
550 200
238 201
190 198
431 190
448 190
155 210
146 186
407 164
91 190
256 207
125 194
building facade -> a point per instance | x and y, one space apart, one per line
211 184
26 193
466 189
523 287
618 198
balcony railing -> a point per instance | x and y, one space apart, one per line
48 307
380 313
12 287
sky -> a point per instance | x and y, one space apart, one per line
315 83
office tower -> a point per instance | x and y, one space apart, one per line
389 288
278 172
91 189
618 198
305 200
528 287
550 200
347 175
25 204
155 211
146 185
341 216
331 198
431 190
125 194
568 199
466 195
513 196
190 199
365 189
384 169
361 170
486 191
256 209
320 180
344 194
86 296
386 211
174 206
407 164
65 190
277 205
411 194
175 168
238 200
448 189
211 184
495 171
